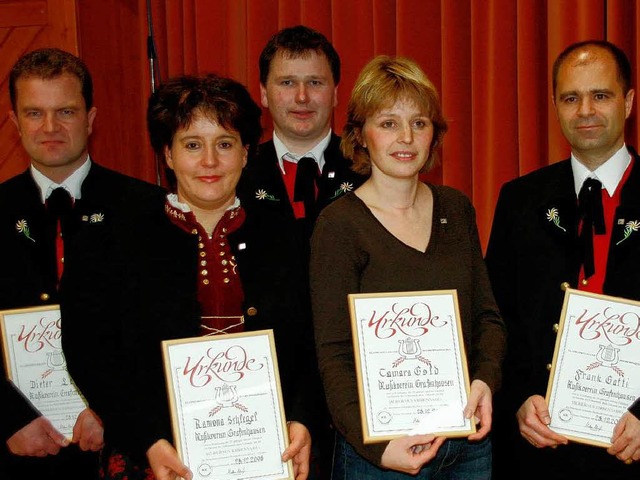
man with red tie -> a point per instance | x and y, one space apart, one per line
301 169
42 211
573 222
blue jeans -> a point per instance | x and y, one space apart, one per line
457 459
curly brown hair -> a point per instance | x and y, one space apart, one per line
180 100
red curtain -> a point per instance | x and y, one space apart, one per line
490 59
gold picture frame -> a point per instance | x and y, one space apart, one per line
411 365
226 405
36 366
595 372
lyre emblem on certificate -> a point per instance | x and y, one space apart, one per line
607 356
595 368
226 403
55 361
410 364
227 396
409 349
31 340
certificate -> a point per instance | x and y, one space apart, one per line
595 374
34 362
226 406
410 364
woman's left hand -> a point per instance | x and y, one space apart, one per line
165 462
299 450
479 406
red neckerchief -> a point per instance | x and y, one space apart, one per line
601 242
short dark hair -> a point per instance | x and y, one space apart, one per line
297 42
621 59
49 63
179 100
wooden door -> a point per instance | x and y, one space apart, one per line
24 26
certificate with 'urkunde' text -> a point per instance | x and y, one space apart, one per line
226 406
410 364
595 373
36 365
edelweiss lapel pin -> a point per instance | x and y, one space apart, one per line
93 218
554 216
262 194
342 189
23 228
629 228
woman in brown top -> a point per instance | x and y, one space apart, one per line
395 233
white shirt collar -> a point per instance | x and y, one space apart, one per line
73 184
609 173
316 152
172 198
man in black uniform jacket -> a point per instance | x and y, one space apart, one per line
52 106
301 169
536 245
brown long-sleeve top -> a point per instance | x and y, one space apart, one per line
351 252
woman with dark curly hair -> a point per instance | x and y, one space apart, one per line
198 264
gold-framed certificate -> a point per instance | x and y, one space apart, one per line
410 364
226 406
36 366
595 373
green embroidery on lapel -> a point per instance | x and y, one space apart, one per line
23 228
263 195
93 218
344 188
629 228
554 216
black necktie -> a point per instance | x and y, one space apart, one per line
305 187
592 216
59 203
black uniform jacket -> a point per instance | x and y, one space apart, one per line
28 276
263 174
136 285
529 257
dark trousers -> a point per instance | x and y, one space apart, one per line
70 463
322 449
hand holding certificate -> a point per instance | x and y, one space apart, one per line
596 366
37 367
410 364
226 406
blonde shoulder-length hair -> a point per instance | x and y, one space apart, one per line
382 82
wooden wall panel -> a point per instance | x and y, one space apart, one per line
110 36
26 25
